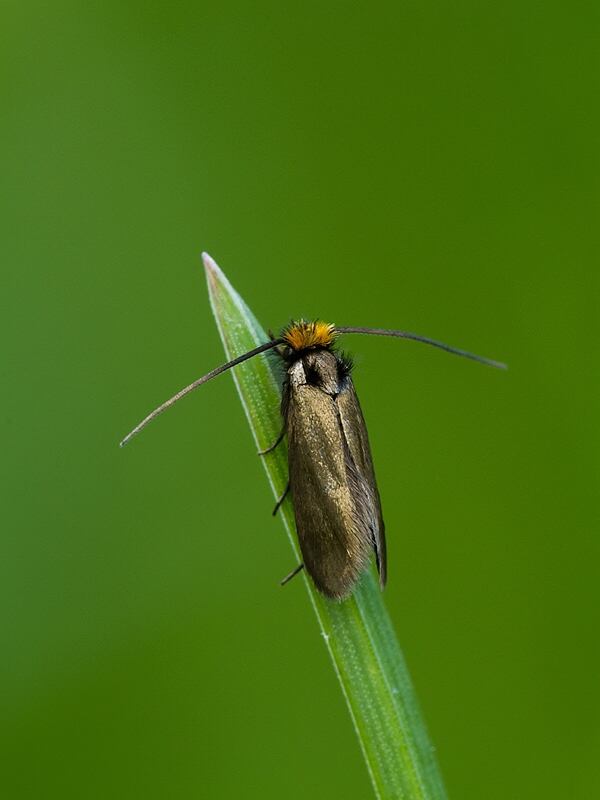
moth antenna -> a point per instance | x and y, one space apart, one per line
425 340
250 354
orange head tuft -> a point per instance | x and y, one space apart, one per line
303 335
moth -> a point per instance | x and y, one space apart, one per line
331 476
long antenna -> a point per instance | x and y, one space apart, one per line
276 342
425 340
260 349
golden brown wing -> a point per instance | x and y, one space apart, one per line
355 432
335 505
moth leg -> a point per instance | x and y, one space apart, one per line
281 499
274 445
291 575
279 439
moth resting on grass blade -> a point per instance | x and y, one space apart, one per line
331 476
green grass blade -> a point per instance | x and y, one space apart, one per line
359 634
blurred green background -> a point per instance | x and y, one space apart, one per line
429 167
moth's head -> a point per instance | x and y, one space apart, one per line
302 335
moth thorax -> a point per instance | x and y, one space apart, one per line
320 369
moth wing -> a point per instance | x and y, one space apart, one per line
333 543
367 494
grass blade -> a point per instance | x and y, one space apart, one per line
358 632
